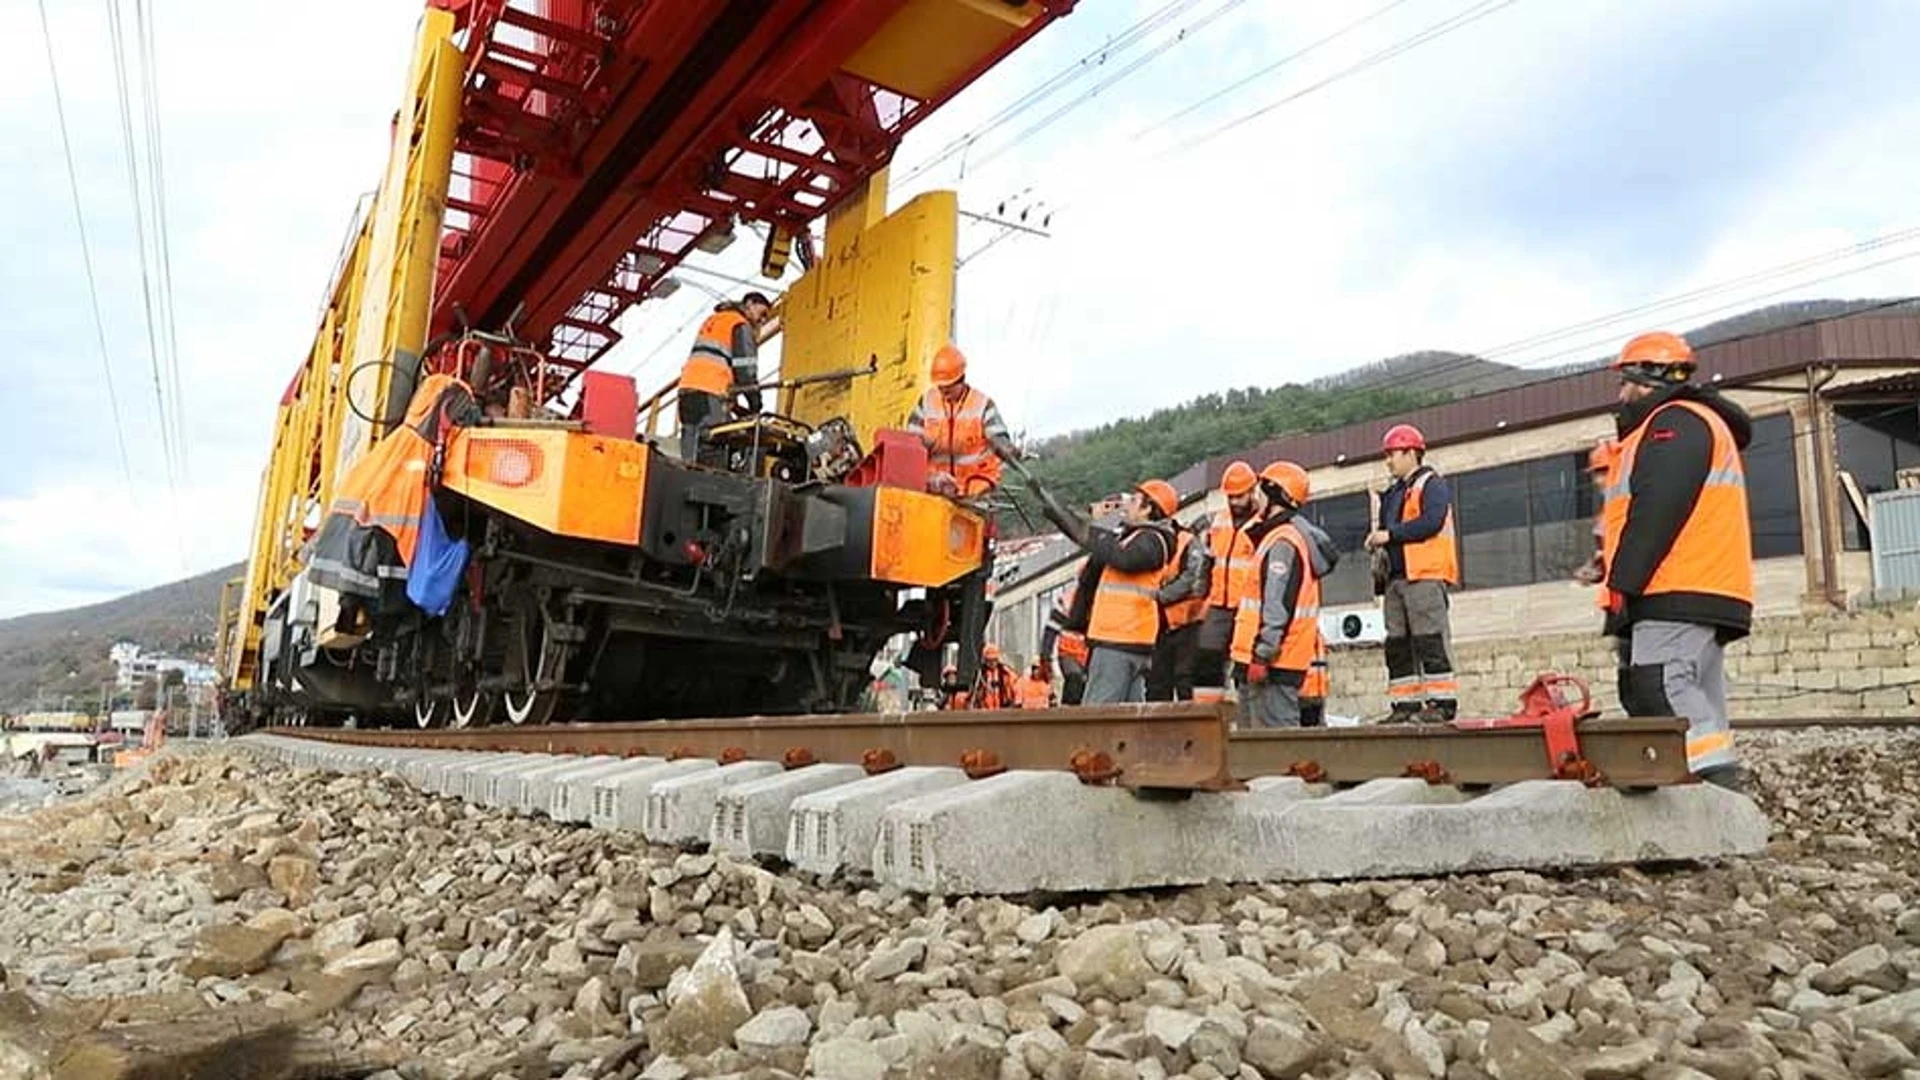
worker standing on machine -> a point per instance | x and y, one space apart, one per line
1070 645
1117 596
1423 563
1230 558
962 429
1276 633
1183 604
725 362
1679 546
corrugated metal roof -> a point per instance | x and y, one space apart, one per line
1860 340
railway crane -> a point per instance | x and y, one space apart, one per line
552 162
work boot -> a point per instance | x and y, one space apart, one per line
1731 777
1438 712
1404 712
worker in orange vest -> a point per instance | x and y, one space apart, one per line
962 429
1276 633
1423 563
1599 464
996 686
1117 596
724 362
1183 604
1678 546
1036 692
1071 645
371 532
1229 575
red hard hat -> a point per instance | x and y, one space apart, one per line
1404 437
949 366
1160 494
1290 478
1238 479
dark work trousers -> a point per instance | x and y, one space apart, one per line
1208 669
1419 664
1170 678
699 411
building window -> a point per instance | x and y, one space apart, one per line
1345 519
1875 442
1773 487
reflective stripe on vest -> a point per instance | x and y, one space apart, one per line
956 438
1437 558
1231 548
709 367
1713 553
1183 613
1302 641
1126 608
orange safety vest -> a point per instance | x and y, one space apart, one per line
1302 641
956 439
1231 547
1711 553
1317 683
1182 613
709 368
1437 558
1071 644
387 488
1035 693
1126 608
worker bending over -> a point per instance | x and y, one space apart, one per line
1183 604
1678 547
962 429
1276 633
725 362
1423 562
1229 576
1071 647
1117 596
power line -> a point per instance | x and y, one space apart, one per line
163 236
86 255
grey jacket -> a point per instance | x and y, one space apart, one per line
1196 572
1280 586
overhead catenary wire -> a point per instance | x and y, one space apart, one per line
86 258
163 247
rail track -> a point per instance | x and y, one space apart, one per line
1097 798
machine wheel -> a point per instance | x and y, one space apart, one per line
473 708
430 712
529 706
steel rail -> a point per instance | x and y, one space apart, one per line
1178 746
1775 723
1628 753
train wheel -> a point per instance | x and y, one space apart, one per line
430 712
473 708
529 706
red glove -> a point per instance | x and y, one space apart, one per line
1256 672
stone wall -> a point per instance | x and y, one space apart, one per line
1860 663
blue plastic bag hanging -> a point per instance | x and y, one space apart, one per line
438 562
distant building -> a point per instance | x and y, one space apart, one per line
133 667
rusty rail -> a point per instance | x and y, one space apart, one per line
1627 753
1180 745
1775 723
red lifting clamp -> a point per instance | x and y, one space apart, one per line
1547 703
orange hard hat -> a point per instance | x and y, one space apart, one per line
1655 358
1238 479
1403 437
1160 494
949 366
991 653
1290 479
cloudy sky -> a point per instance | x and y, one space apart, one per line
1446 174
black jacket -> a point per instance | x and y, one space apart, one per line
1130 549
1436 499
1669 469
